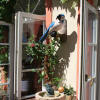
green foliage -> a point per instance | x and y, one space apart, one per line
38 52
32 6
53 60
3 49
69 91
55 81
41 76
7 10
63 1
74 2
3 54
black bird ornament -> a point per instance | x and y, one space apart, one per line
49 89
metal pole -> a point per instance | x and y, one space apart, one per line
80 90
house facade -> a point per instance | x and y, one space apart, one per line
81 50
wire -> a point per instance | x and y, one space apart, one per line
36 6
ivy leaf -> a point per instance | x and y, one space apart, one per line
40 80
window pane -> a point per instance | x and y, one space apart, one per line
30 83
4 54
4 80
88 91
30 28
35 29
91 27
4 34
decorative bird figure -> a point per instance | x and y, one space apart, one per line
54 27
49 89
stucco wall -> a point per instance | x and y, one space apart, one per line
67 52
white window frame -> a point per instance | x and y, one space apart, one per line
10 82
18 49
88 7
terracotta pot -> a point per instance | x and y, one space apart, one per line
69 97
40 97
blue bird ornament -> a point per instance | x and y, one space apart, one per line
49 89
54 27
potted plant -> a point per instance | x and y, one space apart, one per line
69 92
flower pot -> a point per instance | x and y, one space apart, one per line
69 97
41 96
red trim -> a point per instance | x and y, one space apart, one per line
48 7
78 47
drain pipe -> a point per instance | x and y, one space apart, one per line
80 56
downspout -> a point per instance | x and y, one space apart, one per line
79 51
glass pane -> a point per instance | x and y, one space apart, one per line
4 34
30 83
88 91
89 61
4 77
30 28
91 38
4 62
91 27
26 59
91 54
28 62
4 97
4 54
35 29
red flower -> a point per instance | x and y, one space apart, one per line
32 45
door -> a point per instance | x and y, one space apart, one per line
90 51
26 80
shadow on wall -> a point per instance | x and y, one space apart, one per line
66 6
64 52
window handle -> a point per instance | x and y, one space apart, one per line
89 79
